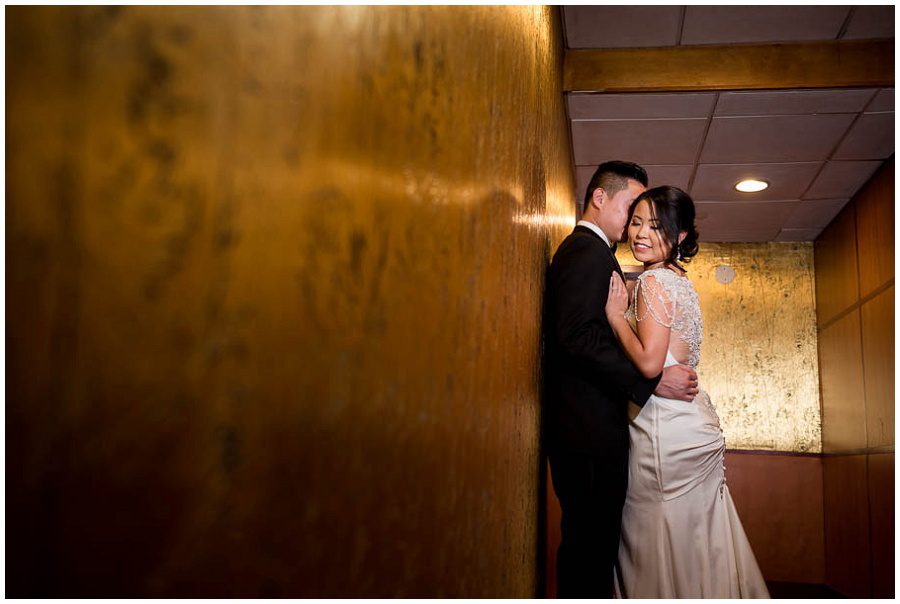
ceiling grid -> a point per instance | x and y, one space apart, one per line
816 147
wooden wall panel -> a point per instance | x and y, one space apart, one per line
779 500
273 289
847 547
858 414
727 67
837 285
875 230
878 363
881 504
843 390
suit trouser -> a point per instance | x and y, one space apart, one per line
591 491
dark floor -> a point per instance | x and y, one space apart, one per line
778 589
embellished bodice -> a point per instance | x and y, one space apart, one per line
670 300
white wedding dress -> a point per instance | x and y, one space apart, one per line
681 536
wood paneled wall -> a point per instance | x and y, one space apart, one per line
274 278
854 259
778 497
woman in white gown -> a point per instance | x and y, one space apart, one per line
681 536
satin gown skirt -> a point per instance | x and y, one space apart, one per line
681 536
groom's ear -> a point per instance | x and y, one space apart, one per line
598 197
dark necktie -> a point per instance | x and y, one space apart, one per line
616 261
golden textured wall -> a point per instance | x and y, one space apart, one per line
759 357
273 298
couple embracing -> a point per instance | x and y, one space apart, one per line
646 512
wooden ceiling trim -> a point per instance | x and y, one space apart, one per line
833 64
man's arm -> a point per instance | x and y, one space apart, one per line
679 382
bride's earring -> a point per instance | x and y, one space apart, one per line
679 253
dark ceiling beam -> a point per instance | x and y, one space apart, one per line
732 67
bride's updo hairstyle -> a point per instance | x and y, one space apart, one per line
674 209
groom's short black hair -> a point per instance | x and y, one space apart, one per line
612 177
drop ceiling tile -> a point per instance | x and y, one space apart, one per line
582 178
742 221
737 215
798 234
870 22
677 176
645 142
786 181
621 26
748 24
636 106
841 179
737 236
871 137
816 214
883 101
794 102
796 138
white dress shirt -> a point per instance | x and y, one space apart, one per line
596 229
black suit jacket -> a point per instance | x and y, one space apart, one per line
587 377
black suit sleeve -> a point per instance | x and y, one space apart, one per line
582 331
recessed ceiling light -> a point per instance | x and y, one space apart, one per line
751 185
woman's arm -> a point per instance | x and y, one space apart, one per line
647 348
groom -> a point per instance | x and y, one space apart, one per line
589 382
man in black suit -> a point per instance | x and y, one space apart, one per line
589 381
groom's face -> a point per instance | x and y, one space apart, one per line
619 203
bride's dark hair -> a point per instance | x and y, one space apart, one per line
674 209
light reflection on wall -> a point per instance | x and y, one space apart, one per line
759 358
285 265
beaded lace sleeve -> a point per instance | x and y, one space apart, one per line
658 300
671 301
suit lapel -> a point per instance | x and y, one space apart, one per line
609 251
616 264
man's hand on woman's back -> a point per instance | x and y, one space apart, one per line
678 382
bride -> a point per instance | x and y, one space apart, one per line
681 536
